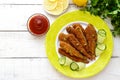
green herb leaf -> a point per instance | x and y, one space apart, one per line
107 8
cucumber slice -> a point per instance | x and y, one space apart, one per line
98 52
62 60
101 35
100 39
74 66
77 66
100 49
102 32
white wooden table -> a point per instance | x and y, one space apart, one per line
23 56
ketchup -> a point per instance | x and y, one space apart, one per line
38 24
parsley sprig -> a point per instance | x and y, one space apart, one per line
107 8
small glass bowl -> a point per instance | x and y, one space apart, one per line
38 24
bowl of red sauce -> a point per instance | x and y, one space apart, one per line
38 24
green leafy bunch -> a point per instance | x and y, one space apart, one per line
107 8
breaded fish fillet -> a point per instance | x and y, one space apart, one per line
63 37
62 52
78 34
73 40
71 50
78 25
91 36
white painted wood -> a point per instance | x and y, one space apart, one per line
14 17
21 2
23 44
116 47
41 69
8 2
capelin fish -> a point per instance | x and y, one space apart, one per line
73 40
63 37
80 26
91 36
71 50
62 52
78 34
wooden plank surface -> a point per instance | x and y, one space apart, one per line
13 2
21 44
14 17
41 69
24 2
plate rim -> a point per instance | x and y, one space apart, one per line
58 68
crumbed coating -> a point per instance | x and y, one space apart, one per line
62 52
63 37
91 36
78 25
71 50
78 34
73 40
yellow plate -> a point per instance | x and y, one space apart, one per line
65 19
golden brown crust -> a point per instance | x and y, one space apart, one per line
78 34
63 37
62 52
91 36
73 40
71 50
70 38
70 29
78 25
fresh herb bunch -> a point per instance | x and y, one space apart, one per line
107 8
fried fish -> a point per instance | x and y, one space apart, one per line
71 50
91 36
62 52
73 40
63 37
78 25
78 34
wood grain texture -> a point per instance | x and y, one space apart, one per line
9 2
14 17
24 2
37 69
21 44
